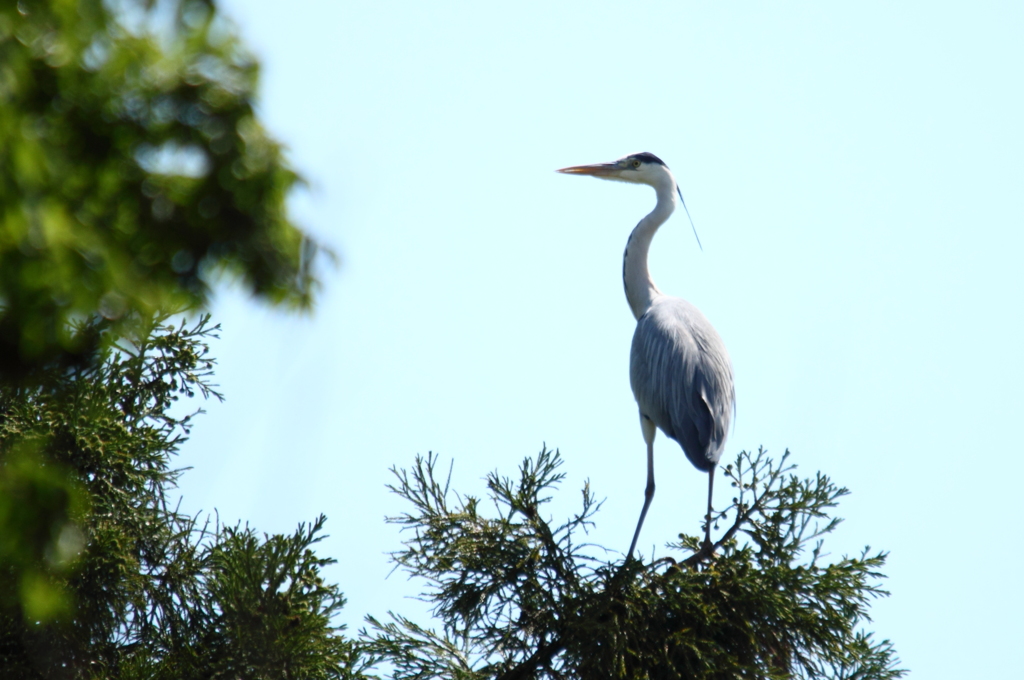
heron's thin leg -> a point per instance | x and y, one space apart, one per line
648 496
707 527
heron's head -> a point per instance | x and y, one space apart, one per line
638 168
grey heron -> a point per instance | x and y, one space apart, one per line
678 366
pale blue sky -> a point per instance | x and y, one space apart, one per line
855 173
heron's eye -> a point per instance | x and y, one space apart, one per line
636 162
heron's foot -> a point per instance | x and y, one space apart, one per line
708 544
707 550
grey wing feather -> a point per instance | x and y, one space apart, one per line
682 378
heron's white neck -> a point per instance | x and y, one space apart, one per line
640 289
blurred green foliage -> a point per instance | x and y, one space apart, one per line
133 172
41 508
102 577
518 597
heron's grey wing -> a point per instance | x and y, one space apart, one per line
682 378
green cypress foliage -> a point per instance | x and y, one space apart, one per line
518 597
115 582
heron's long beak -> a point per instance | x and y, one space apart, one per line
597 170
